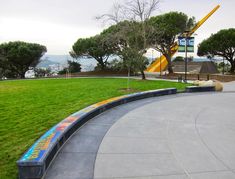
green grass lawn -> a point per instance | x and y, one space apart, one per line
28 108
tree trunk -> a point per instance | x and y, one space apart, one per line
232 67
143 75
232 63
22 75
101 62
170 69
103 66
21 72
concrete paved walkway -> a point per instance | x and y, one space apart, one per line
171 137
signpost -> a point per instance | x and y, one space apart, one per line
186 44
182 44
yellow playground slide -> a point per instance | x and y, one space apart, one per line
161 63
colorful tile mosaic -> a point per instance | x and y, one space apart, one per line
40 148
37 152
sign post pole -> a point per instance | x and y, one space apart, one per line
186 44
186 58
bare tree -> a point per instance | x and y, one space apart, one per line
141 10
117 15
136 10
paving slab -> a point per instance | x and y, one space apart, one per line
121 145
188 132
135 165
161 177
71 166
229 86
214 175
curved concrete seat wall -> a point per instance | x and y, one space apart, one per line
35 162
192 89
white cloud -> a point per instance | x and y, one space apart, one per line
58 38
59 23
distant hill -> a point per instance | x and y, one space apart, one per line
62 59
45 63
48 60
87 64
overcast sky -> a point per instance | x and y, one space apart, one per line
57 24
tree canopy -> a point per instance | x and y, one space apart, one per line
124 34
128 43
94 47
18 56
132 53
136 35
73 67
159 32
163 31
130 30
221 44
179 59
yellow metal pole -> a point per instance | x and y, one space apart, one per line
203 20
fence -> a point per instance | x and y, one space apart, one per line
222 78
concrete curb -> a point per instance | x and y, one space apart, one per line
35 162
193 89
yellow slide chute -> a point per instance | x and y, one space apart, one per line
161 63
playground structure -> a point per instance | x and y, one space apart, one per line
161 63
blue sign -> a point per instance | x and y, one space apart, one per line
182 44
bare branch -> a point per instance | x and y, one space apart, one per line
142 9
137 10
153 6
117 14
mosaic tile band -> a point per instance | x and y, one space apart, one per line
39 149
